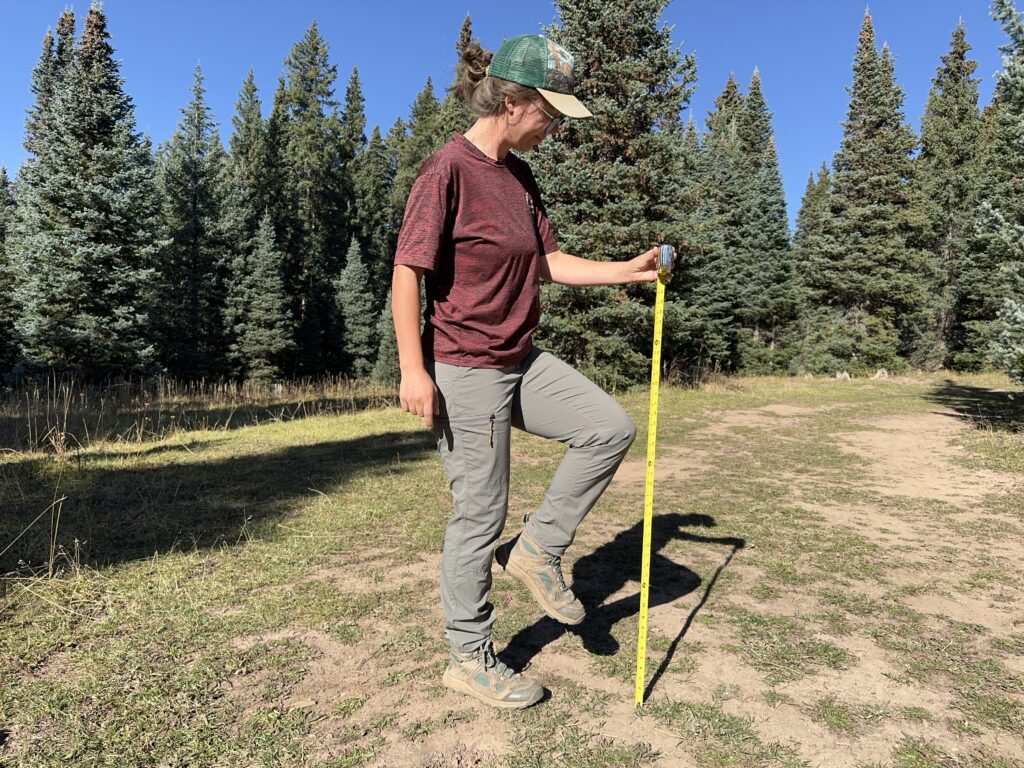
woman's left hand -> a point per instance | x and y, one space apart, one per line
643 268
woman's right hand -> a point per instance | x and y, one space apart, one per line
418 395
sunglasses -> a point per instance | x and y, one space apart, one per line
556 120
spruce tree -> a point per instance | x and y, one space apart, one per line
712 286
87 228
315 229
374 218
192 270
766 302
263 331
414 147
353 121
246 193
385 369
871 279
8 343
945 185
357 309
610 183
1003 218
454 116
247 160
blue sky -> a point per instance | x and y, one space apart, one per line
803 48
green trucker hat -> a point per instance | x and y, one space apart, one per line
535 61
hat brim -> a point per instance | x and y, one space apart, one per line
568 105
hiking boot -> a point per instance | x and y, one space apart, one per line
483 675
542 575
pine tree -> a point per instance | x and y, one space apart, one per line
87 228
385 369
192 270
313 227
8 343
374 217
872 280
1003 218
610 183
945 185
357 309
264 329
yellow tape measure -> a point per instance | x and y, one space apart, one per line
666 258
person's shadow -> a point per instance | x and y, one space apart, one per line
602 573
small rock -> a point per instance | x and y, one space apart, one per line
881 374
843 376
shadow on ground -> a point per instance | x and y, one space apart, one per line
126 513
607 570
980 407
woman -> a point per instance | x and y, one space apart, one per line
475 226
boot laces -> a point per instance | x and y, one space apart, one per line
556 565
491 661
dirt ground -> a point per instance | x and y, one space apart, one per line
915 456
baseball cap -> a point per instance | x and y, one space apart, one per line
535 61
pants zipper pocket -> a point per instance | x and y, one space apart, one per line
490 437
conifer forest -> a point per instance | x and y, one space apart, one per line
267 255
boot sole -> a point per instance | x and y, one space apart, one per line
511 568
463 687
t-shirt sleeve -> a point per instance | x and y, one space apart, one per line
547 232
425 221
548 237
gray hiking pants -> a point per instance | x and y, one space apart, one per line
479 406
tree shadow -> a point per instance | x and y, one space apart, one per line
607 570
981 407
122 513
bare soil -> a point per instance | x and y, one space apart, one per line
914 456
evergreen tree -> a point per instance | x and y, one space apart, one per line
357 309
454 116
87 228
417 145
872 280
945 184
247 192
316 195
374 220
247 161
610 183
712 282
264 329
192 270
8 343
385 369
394 141
1003 218
353 121
767 303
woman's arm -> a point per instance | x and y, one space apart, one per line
417 392
566 269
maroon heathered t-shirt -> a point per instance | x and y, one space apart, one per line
479 228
